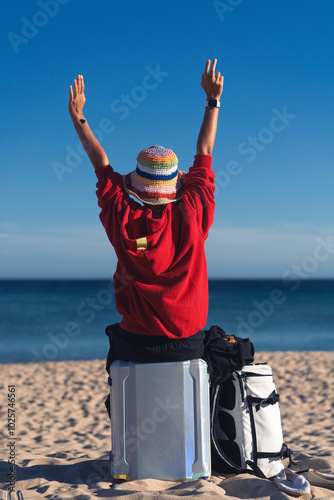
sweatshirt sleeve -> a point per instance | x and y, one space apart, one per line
110 194
199 191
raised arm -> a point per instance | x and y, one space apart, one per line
92 146
212 84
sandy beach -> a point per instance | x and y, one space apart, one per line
63 433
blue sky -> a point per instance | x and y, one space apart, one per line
273 152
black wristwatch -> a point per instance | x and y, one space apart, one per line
212 103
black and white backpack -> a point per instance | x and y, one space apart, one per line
246 430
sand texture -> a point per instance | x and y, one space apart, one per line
63 433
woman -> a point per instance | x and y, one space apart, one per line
161 282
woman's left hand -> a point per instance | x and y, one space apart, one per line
77 97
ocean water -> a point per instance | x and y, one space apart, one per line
55 320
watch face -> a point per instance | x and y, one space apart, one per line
212 103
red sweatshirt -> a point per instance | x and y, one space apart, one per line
161 282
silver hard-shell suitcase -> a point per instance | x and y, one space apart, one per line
160 418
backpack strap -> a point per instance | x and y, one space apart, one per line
255 470
215 389
272 399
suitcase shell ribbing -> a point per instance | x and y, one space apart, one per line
160 416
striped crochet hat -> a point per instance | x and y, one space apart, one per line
156 180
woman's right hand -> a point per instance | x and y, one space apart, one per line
212 82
